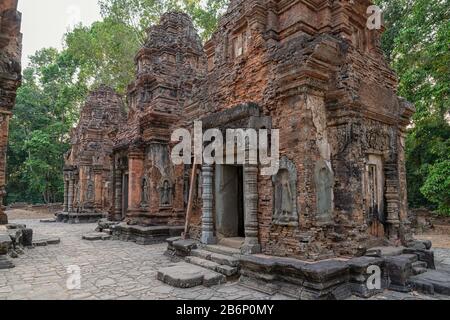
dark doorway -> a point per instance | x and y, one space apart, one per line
229 201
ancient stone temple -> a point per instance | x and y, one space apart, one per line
314 71
87 173
10 76
148 191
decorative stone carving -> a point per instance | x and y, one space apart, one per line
166 193
10 78
285 199
90 192
89 159
324 179
145 192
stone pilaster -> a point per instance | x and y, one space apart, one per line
66 195
136 172
4 128
207 213
98 187
70 197
118 195
251 245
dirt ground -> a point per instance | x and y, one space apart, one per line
29 214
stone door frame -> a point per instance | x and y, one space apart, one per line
250 177
243 116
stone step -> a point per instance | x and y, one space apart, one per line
235 243
419 270
431 282
384 251
223 250
95 236
227 271
411 257
216 257
186 275
224 260
42 242
419 267
199 253
419 264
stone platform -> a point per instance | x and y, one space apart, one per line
76 218
186 275
145 235
297 279
401 269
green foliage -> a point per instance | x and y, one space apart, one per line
47 107
427 144
55 85
104 53
417 44
437 186
141 14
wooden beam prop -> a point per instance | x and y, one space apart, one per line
191 201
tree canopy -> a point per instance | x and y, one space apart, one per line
417 43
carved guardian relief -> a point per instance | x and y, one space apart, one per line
90 193
166 193
145 193
324 179
285 198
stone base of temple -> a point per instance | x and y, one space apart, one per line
145 235
401 269
76 218
397 268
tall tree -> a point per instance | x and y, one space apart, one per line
104 53
46 108
141 14
417 44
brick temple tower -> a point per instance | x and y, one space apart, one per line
87 173
148 189
10 77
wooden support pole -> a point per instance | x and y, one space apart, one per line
191 201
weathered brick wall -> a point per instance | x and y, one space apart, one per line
168 67
321 76
10 77
88 164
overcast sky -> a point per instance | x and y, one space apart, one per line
44 22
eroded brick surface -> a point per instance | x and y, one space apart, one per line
314 71
10 77
87 173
